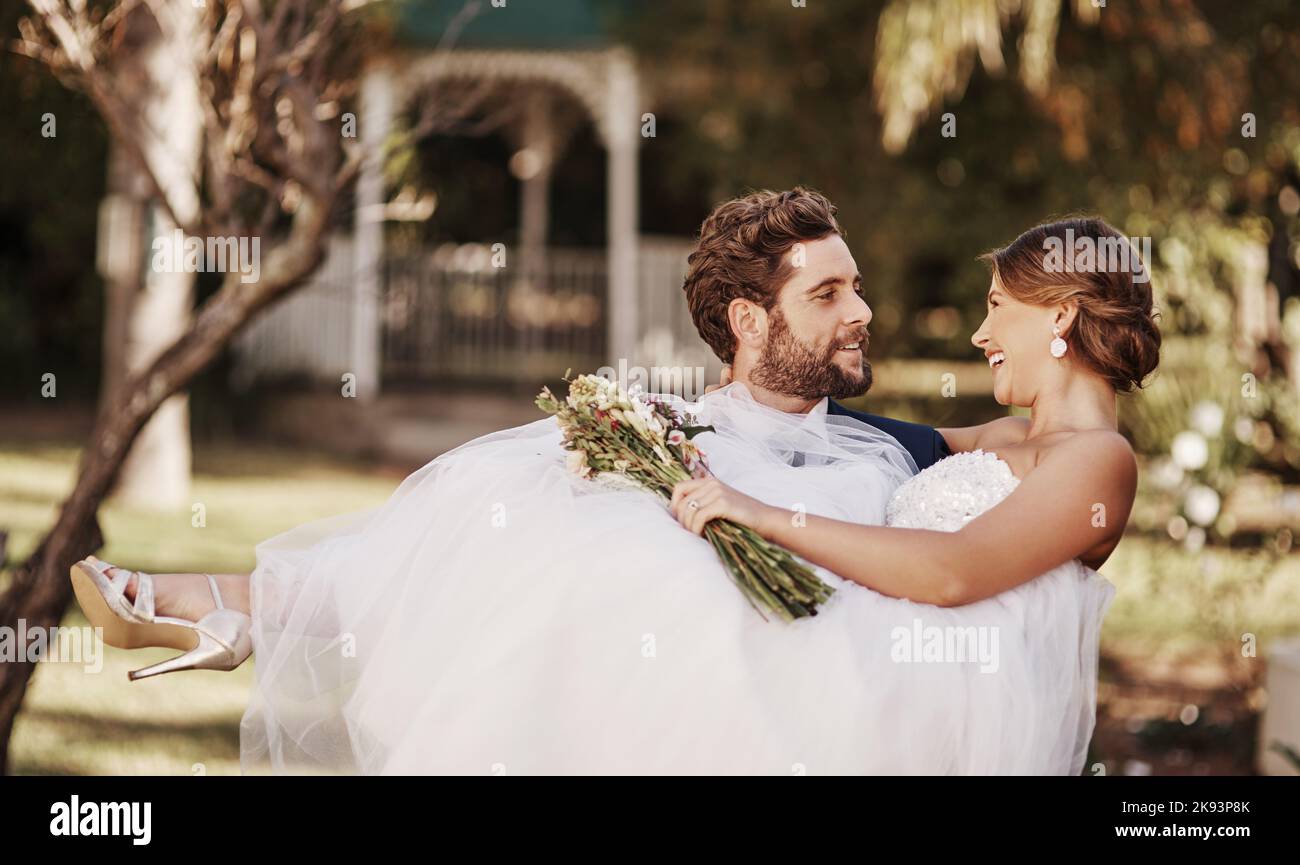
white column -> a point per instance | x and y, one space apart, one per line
156 473
534 165
373 122
622 124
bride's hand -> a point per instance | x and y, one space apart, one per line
714 500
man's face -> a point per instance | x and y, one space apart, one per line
817 329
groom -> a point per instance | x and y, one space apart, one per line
776 294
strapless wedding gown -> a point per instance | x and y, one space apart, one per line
500 615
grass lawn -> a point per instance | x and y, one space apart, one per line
1172 637
75 721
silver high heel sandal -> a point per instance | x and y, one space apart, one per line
220 640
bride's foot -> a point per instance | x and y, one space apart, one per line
186 596
132 611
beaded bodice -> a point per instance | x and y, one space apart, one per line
952 492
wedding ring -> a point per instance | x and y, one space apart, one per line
693 504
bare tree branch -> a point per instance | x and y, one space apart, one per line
272 160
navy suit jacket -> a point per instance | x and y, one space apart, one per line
923 442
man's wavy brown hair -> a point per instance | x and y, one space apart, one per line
741 253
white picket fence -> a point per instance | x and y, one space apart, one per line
307 334
448 313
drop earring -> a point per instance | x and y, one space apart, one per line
1058 345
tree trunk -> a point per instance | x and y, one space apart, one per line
40 591
157 470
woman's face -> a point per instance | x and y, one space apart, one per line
1016 338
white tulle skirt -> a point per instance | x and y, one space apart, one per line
500 615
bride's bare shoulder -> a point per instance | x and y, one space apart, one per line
994 434
1104 445
1101 459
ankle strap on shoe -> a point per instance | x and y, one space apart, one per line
144 598
216 594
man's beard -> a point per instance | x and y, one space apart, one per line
790 367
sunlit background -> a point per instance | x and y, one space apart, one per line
535 231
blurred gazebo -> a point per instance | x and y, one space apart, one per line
480 311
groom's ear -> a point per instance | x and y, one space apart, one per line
748 322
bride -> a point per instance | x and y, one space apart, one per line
499 614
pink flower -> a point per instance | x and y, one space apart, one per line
676 437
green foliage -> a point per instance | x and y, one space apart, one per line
1223 386
1213 597
1140 117
50 307
1136 112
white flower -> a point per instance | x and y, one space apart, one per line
648 417
1190 450
630 418
577 463
676 437
1207 418
1244 429
1177 527
1165 473
1201 505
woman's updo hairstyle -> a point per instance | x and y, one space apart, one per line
1089 262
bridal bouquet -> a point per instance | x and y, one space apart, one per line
644 440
